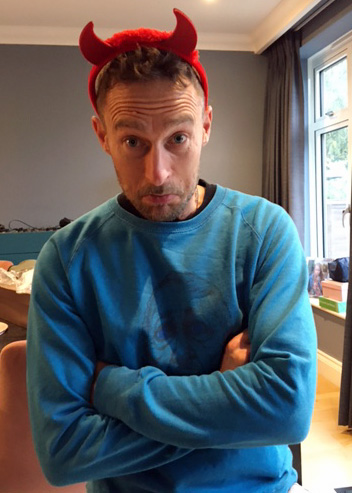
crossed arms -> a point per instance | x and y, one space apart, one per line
236 353
143 419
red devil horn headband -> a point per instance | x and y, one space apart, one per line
182 42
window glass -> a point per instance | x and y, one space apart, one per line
335 184
333 88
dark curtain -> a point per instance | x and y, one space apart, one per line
345 410
283 151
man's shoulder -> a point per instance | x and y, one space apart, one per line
96 221
255 210
256 218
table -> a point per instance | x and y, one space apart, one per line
13 333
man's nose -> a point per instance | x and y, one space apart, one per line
157 166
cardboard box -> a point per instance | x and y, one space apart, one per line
335 290
333 305
14 306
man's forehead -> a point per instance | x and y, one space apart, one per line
163 98
158 90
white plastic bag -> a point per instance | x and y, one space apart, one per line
21 281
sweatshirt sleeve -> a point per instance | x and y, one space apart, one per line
268 401
73 441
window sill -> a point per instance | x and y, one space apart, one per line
315 304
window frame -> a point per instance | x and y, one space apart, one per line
319 125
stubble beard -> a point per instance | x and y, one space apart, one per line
162 212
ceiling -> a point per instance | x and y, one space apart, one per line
245 25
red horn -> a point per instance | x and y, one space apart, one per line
93 48
184 38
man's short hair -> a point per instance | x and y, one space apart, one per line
145 64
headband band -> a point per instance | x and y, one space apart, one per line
182 42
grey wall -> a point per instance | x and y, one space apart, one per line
237 84
51 165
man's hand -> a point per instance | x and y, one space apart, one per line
100 365
237 352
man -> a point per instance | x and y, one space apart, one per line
139 375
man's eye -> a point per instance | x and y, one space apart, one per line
179 138
132 142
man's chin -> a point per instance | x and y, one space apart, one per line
162 213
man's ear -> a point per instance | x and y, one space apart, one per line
207 119
100 132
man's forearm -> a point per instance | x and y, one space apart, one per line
236 353
258 404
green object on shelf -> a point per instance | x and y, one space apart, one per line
333 305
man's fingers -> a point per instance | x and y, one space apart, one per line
237 352
240 340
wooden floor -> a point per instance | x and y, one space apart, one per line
327 451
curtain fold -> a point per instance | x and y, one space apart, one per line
345 408
283 148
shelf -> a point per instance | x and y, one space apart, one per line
315 304
22 246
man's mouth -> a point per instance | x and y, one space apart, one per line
157 199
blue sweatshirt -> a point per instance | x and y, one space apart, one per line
158 302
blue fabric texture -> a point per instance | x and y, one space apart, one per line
159 301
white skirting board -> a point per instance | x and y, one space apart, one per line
329 367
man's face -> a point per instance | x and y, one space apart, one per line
154 133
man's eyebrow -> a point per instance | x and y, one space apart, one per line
136 125
128 123
173 122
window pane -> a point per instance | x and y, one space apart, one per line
335 175
333 87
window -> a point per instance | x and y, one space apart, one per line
330 149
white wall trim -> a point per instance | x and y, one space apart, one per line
224 42
68 36
329 367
